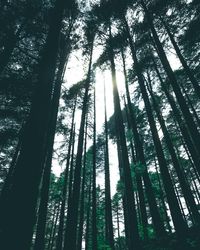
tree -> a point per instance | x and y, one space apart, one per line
20 203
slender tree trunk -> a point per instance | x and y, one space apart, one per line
18 217
71 169
191 105
178 221
82 202
182 59
142 205
108 208
124 199
141 200
72 215
184 131
8 180
161 196
157 222
118 229
59 240
87 231
138 210
171 76
52 222
179 201
134 241
183 183
94 198
54 228
41 226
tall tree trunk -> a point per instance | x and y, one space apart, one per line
94 195
82 202
8 180
87 230
59 240
161 196
54 228
182 59
183 183
118 229
134 241
40 234
18 217
71 169
178 197
157 221
191 105
128 234
178 221
184 131
52 222
108 208
173 81
141 201
72 215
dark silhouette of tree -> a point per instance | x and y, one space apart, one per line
56 177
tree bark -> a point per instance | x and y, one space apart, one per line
134 240
157 221
108 208
184 131
178 221
183 183
94 195
41 226
182 59
18 217
59 240
82 202
72 215
173 81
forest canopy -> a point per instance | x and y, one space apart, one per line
99 125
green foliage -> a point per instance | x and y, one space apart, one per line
140 168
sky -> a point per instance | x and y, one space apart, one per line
75 71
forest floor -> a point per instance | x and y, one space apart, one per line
191 242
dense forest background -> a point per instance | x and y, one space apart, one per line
94 94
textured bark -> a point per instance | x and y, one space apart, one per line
167 219
186 68
51 245
123 198
18 217
108 208
72 215
94 193
41 226
184 131
178 221
134 241
82 202
157 221
183 183
87 231
118 230
59 240
8 180
195 135
52 222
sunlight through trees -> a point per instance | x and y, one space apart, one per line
99 125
